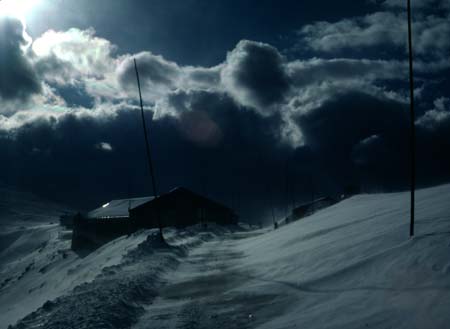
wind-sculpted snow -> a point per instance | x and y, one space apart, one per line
115 298
349 266
353 265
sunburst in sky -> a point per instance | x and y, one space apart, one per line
18 8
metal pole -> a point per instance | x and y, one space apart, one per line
412 125
149 155
275 225
286 177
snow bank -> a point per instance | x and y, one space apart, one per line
353 265
30 278
108 288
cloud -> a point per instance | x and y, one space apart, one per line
340 119
154 72
378 31
218 145
437 117
52 69
357 138
18 80
318 70
366 31
254 75
417 4
353 117
369 150
78 59
202 77
88 55
316 82
103 146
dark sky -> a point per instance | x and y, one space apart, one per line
191 32
255 103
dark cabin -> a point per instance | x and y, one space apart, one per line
178 208
309 208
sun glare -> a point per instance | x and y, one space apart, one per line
18 8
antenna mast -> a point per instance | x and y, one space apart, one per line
412 125
149 155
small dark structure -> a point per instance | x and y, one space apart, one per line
66 220
179 208
309 208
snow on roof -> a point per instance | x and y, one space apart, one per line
118 208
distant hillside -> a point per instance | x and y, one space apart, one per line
18 207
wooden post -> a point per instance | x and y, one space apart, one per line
149 155
412 123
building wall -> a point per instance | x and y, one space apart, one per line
182 209
177 209
92 233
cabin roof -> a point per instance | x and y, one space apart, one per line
118 208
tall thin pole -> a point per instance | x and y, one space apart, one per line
286 177
149 154
412 127
275 225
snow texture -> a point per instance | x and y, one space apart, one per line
351 265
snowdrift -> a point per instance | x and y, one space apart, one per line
106 288
353 265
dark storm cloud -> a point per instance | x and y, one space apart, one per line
348 132
215 146
53 69
194 112
255 75
233 129
433 152
434 141
17 78
318 70
418 4
353 117
365 140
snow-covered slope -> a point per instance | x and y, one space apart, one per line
26 223
51 282
353 265
19 208
30 240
